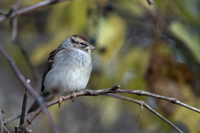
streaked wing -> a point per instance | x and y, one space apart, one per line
51 61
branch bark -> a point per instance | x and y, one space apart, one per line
107 92
30 8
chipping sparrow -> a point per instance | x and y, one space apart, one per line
68 68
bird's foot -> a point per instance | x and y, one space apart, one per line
73 94
60 99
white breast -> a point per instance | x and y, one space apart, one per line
71 72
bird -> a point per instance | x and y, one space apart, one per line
68 69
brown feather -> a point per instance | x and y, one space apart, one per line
50 63
83 37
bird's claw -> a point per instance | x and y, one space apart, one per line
73 95
60 99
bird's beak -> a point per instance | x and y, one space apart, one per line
91 47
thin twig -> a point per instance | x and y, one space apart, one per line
146 106
31 8
106 92
150 2
17 3
144 93
6 121
85 92
114 88
170 99
16 129
3 13
6 130
138 121
28 87
23 107
1 122
14 21
14 28
8 13
88 92
25 53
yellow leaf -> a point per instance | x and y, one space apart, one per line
111 34
71 16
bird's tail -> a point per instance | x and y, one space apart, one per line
45 96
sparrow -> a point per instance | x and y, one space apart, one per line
68 69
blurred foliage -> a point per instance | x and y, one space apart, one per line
153 48
190 39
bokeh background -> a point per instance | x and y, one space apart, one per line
153 48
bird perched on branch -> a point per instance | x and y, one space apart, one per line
68 69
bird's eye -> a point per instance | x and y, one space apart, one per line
83 44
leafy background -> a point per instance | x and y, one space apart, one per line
153 48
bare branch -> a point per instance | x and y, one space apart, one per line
6 130
30 8
138 121
114 88
85 92
16 129
17 3
170 99
6 121
14 28
9 12
11 119
1 122
106 92
23 107
2 13
25 53
146 106
150 2
14 20
28 87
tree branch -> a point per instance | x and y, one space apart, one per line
6 130
1 122
170 99
143 104
150 2
23 107
14 20
6 121
107 92
141 108
30 8
25 53
16 129
28 87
